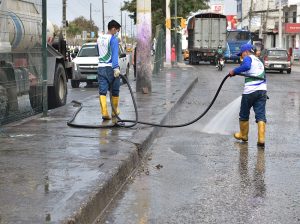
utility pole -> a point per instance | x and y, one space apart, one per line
280 26
125 29
250 14
103 24
44 57
168 34
176 40
121 23
131 33
64 18
264 26
90 19
144 71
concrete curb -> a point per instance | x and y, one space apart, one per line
94 208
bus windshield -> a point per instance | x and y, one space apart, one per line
238 36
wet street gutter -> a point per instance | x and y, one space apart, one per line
58 174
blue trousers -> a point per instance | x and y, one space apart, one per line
105 80
257 100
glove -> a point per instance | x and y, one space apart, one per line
116 72
231 73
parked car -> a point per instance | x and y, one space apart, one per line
86 64
276 59
296 53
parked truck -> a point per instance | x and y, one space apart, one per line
206 31
21 58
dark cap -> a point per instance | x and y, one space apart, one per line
245 47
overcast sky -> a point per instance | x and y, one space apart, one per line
76 8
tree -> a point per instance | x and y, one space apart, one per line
56 29
158 8
80 24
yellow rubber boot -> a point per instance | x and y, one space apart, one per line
115 103
103 105
261 125
244 129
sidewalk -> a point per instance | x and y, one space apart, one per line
51 173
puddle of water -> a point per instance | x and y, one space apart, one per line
225 121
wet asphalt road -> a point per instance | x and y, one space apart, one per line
192 176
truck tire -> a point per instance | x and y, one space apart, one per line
289 71
36 98
3 103
75 83
57 94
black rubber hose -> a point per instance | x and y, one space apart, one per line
71 124
114 124
177 125
121 123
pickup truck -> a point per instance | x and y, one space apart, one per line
86 64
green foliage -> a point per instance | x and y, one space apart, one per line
184 8
80 24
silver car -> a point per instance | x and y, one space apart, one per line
296 53
277 59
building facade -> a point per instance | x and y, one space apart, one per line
291 24
262 19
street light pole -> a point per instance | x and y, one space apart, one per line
103 24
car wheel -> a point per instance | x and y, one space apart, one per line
289 71
281 71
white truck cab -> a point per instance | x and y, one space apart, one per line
86 64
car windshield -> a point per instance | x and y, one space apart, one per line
296 50
238 35
88 51
277 53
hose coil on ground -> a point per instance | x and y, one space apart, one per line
122 122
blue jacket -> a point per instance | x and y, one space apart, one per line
114 44
245 66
